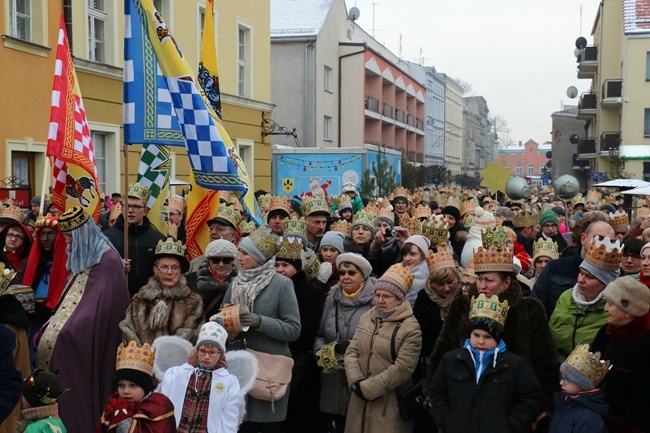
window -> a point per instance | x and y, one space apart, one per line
106 142
245 149
531 168
244 62
327 79
20 16
518 169
327 128
97 18
506 165
647 66
99 142
646 123
542 167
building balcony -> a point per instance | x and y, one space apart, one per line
372 104
612 93
387 110
419 124
587 148
588 106
410 120
579 164
610 141
399 117
419 157
588 62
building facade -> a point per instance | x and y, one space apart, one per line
477 136
528 160
453 135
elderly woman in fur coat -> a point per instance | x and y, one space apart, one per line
165 305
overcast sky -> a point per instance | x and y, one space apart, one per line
517 54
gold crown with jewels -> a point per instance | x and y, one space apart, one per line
546 248
497 238
13 212
401 192
386 213
604 253
441 259
341 226
594 196
491 309
588 364
436 229
140 192
290 248
421 211
312 205
578 199
136 358
345 202
493 260
266 241
296 226
401 275
228 214
310 264
247 227
170 247
365 217
280 203
264 201
525 219
468 206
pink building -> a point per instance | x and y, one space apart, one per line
528 160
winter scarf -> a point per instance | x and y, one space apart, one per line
442 302
250 282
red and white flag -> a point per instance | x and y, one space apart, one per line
69 146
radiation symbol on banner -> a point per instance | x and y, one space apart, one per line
287 184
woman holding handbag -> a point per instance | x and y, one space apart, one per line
273 322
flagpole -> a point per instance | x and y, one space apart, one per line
125 206
46 176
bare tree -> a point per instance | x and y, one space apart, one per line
501 132
466 86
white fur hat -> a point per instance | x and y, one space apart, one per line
628 294
221 248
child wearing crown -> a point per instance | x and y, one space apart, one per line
135 407
482 386
581 405
40 393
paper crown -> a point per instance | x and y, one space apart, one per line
525 219
604 253
491 309
545 248
401 192
280 203
264 201
315 205
265 240
493 260
169 247
8 201
290 248
401 275
345 202
365 217
327 360
412 224
436 229
425 196
47 221
177 203
593 196
386 213
227 215
12 213
341 226
469 269
6 276
441 259
497 238
246 227
227 196
136 358
619 221
73 218
295 226
468 221
310 264
611 199
467 207
588 364
415 197
642 212
421 211
578 199
140 192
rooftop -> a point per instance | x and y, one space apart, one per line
298 18
636 16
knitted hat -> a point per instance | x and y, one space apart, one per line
221 248
451 210
583 368
559 210
42 388
608 206
135 364
213 333
548 216
397 280
419 241
603 259
357 260
72 218
261 244
349 187
488 315
484 218
35 200
628 294
332 239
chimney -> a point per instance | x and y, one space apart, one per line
520 143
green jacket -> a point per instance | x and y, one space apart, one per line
357 204
571 325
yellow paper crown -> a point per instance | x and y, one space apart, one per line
412 224
415 197
436 229
588 364
295 226
345 201
604 253
593 195
310 264
246 227
497 238
611 199
546 248
136 358
327 360
467 207
401 192
177 203
619 221
168 246
386 213
264 201
291 248
312 205
341 226
469 269
280 203
6 275
578 199
401 275
489 308
441 259
265 240
8 202
642 212
425 196
525 219
365 217
14 213
493 260
453 201
228 214
140 192
421 211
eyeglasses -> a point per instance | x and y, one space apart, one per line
379 296
350 273
224 260
135 207
167 268
203 352
220 229
15 236
626 256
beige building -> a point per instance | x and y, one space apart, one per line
616 111
453 125
96 32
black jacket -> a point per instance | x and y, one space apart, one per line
557 277
142 245
507 398
579 413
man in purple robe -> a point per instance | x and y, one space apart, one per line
82 335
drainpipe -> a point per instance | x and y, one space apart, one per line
340 80
310 44
67 16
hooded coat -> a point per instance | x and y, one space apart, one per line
579 413
368 359
474 240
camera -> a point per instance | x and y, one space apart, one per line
388 233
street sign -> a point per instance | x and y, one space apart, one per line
544 180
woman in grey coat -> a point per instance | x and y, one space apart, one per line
273 320
344 306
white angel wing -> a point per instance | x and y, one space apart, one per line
243 365
171 351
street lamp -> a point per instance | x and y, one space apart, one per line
449 178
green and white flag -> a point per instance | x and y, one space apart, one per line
153 173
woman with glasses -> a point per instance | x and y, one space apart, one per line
344 306
215 274
165 305
631 257
15 239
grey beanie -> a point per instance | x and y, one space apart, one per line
247 245
36 200
630 295
357 260
332 239
573 375
604 276
609 207
419 241
387 220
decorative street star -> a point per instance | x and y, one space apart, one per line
495 176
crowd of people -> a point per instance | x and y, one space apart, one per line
428 310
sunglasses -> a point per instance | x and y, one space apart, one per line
224 260
350 273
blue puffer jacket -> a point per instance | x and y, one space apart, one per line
579 413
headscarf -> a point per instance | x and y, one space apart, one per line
88 247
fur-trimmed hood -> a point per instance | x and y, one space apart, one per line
153 290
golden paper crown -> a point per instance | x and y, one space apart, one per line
136 358
468 221
341 226
469 269
312 205
453 201
8 202
642 212
491 309
169 247
280 203
372 208
468 206
295 226
227 196
386 213
246 227
401 192
412 224
401 275
366 218
266 241
228 215
327 360
6 275
425 196
140 192
611 199
290 248
493 260
497 238
441 259
546 248
619 221
177 203
593 195
421 211
436 229
525 219
345 201
47 221
588 364
415 197
264 201
604 253
13 213
310 263
578 199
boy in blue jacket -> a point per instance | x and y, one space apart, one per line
581 405
481 386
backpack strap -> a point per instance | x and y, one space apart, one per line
393 350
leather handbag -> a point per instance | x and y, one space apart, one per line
410 401
273 378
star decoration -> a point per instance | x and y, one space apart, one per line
495 176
